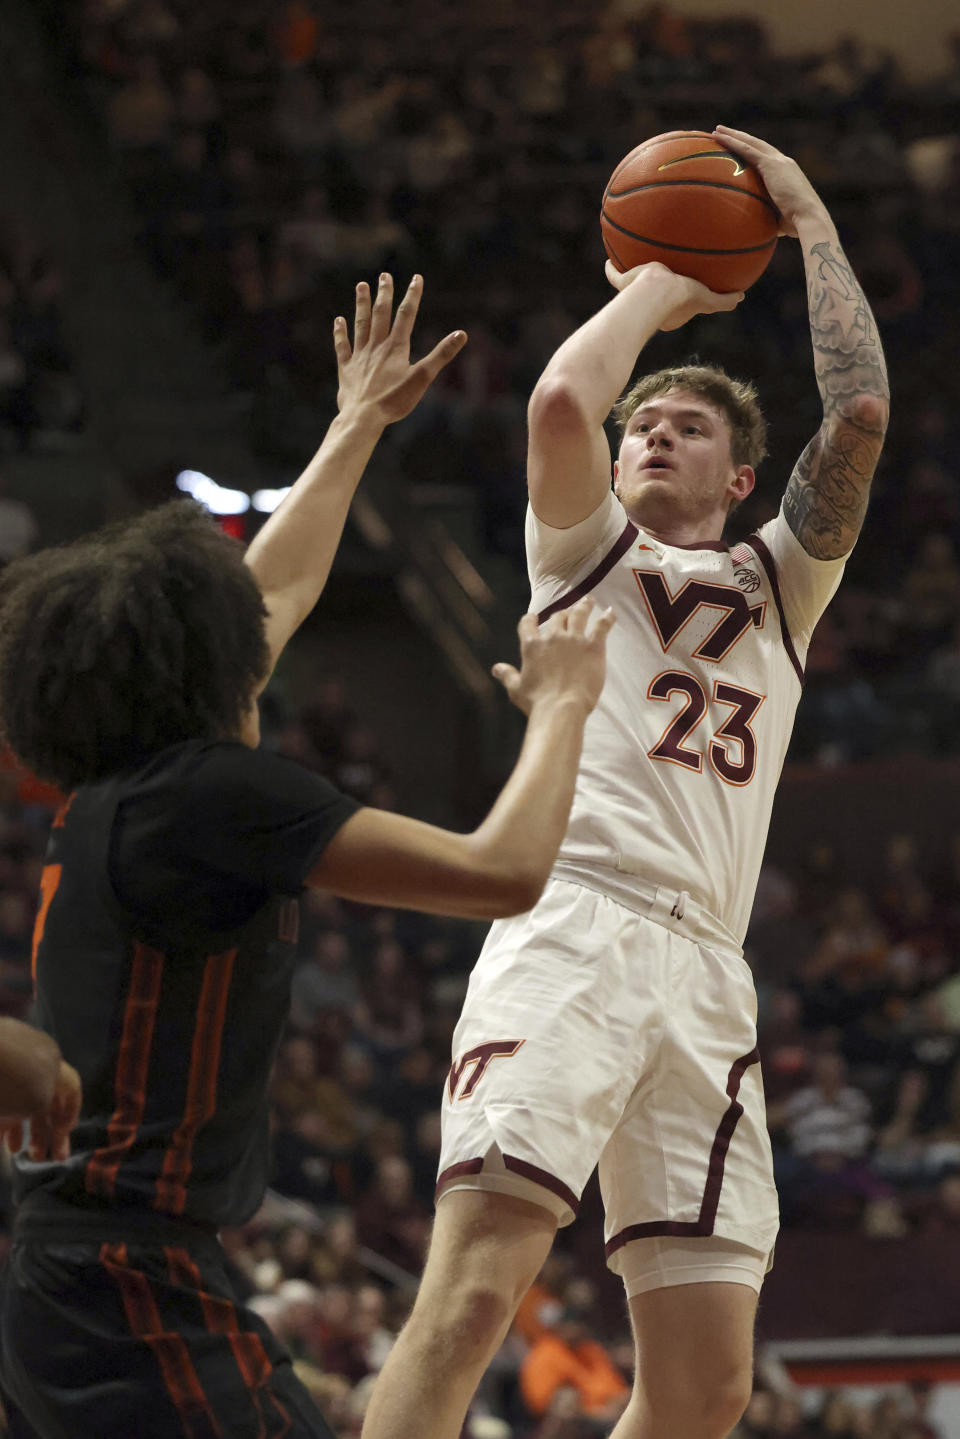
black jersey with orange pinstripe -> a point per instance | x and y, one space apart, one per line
163 954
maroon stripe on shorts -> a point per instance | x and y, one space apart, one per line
466 1166
600 572
710 1202
766 559
541 1176
517 1166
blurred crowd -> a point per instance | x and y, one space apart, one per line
859 999
40 398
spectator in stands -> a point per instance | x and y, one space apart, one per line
325 980
566 1356
930 593
828 1120
142 113
391 1220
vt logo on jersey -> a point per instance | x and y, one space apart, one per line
670 613
479 1058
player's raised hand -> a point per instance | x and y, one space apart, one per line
375 373
787 185
562 659
683 298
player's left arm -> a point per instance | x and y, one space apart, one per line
378 384
826 499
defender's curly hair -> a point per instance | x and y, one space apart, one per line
142 635
735 399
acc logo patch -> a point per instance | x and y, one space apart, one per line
747 579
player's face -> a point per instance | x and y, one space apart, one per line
675 464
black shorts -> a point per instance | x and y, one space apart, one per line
106 1339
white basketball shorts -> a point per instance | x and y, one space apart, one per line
595 1034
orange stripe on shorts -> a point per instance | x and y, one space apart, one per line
169 1349
220 1317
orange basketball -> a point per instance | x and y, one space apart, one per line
685 200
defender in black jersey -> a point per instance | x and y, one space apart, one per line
165 935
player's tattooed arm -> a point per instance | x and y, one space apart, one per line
826 499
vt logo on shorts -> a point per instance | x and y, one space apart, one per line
479 1057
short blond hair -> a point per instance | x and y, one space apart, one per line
735 399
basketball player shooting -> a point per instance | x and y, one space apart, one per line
166 935
615 1024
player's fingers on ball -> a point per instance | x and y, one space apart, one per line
382 309
361 319
620 279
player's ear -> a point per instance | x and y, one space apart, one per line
616 471
742 483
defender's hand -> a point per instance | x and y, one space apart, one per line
683 297
375 373
562 659
50 1128
787 185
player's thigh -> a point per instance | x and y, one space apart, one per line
484 1241
695 1346
691 1152
554 1033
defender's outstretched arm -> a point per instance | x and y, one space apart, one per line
293 552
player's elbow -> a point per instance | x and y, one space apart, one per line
509 887
523 892
557 407
871 413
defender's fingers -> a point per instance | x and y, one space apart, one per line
605 623
60 1144
341 341
407 310
579 615
39 1140
528 626
441 355
361 319
382 310
507 675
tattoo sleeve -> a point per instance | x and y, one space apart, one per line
826 498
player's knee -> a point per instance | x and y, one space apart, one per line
473 1319
727 1404
477 1318
701 1410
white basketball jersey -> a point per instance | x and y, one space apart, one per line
682 754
